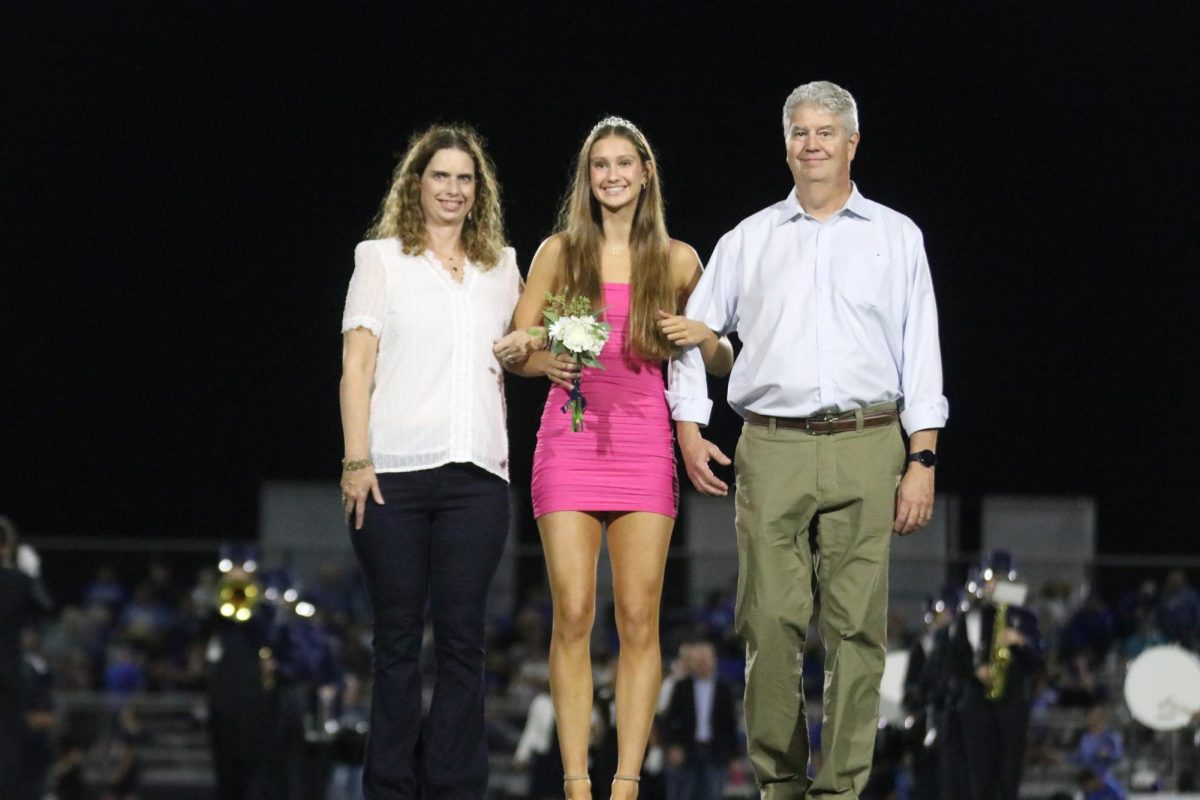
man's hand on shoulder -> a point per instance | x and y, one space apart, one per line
697 452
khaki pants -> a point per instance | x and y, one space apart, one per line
847 482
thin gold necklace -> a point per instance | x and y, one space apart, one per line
450 262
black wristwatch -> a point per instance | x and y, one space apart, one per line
926 458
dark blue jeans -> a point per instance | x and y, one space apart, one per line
437 538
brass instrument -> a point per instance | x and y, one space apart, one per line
1001 656
238 595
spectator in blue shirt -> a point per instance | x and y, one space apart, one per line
1100 746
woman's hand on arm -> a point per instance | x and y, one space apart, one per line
358 375
684 332
517 346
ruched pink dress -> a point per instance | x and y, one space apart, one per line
624 458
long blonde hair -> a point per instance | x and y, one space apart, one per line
651 287
400 213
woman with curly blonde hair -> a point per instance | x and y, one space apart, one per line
425 473
402 216
619 471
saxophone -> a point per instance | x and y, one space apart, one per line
1001 656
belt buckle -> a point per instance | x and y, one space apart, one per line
827 419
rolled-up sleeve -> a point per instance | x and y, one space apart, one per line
713 302
687 388
921 371
366 299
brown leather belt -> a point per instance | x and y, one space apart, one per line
828 423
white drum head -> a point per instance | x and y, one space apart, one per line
891 687
1162 687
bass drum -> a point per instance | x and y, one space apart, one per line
891 688
1162 687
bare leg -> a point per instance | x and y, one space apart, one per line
571 544
637 547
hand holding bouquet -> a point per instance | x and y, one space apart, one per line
573 329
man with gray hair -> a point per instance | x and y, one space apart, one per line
831 296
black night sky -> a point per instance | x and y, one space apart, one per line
184 184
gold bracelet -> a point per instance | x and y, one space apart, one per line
362 463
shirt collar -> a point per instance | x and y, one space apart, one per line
856 205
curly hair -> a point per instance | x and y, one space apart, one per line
400 213
649 247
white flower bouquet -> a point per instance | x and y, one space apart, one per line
573 328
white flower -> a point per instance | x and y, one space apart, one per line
555 330
576 335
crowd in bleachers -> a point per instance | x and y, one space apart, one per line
144 633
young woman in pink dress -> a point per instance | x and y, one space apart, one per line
619 471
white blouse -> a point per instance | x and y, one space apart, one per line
438 396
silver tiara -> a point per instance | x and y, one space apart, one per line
615 122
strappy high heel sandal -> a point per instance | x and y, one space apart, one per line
635 779
568 778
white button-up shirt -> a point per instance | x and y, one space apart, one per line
702 693
439 390
832 316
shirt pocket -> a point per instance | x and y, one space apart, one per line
861 280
